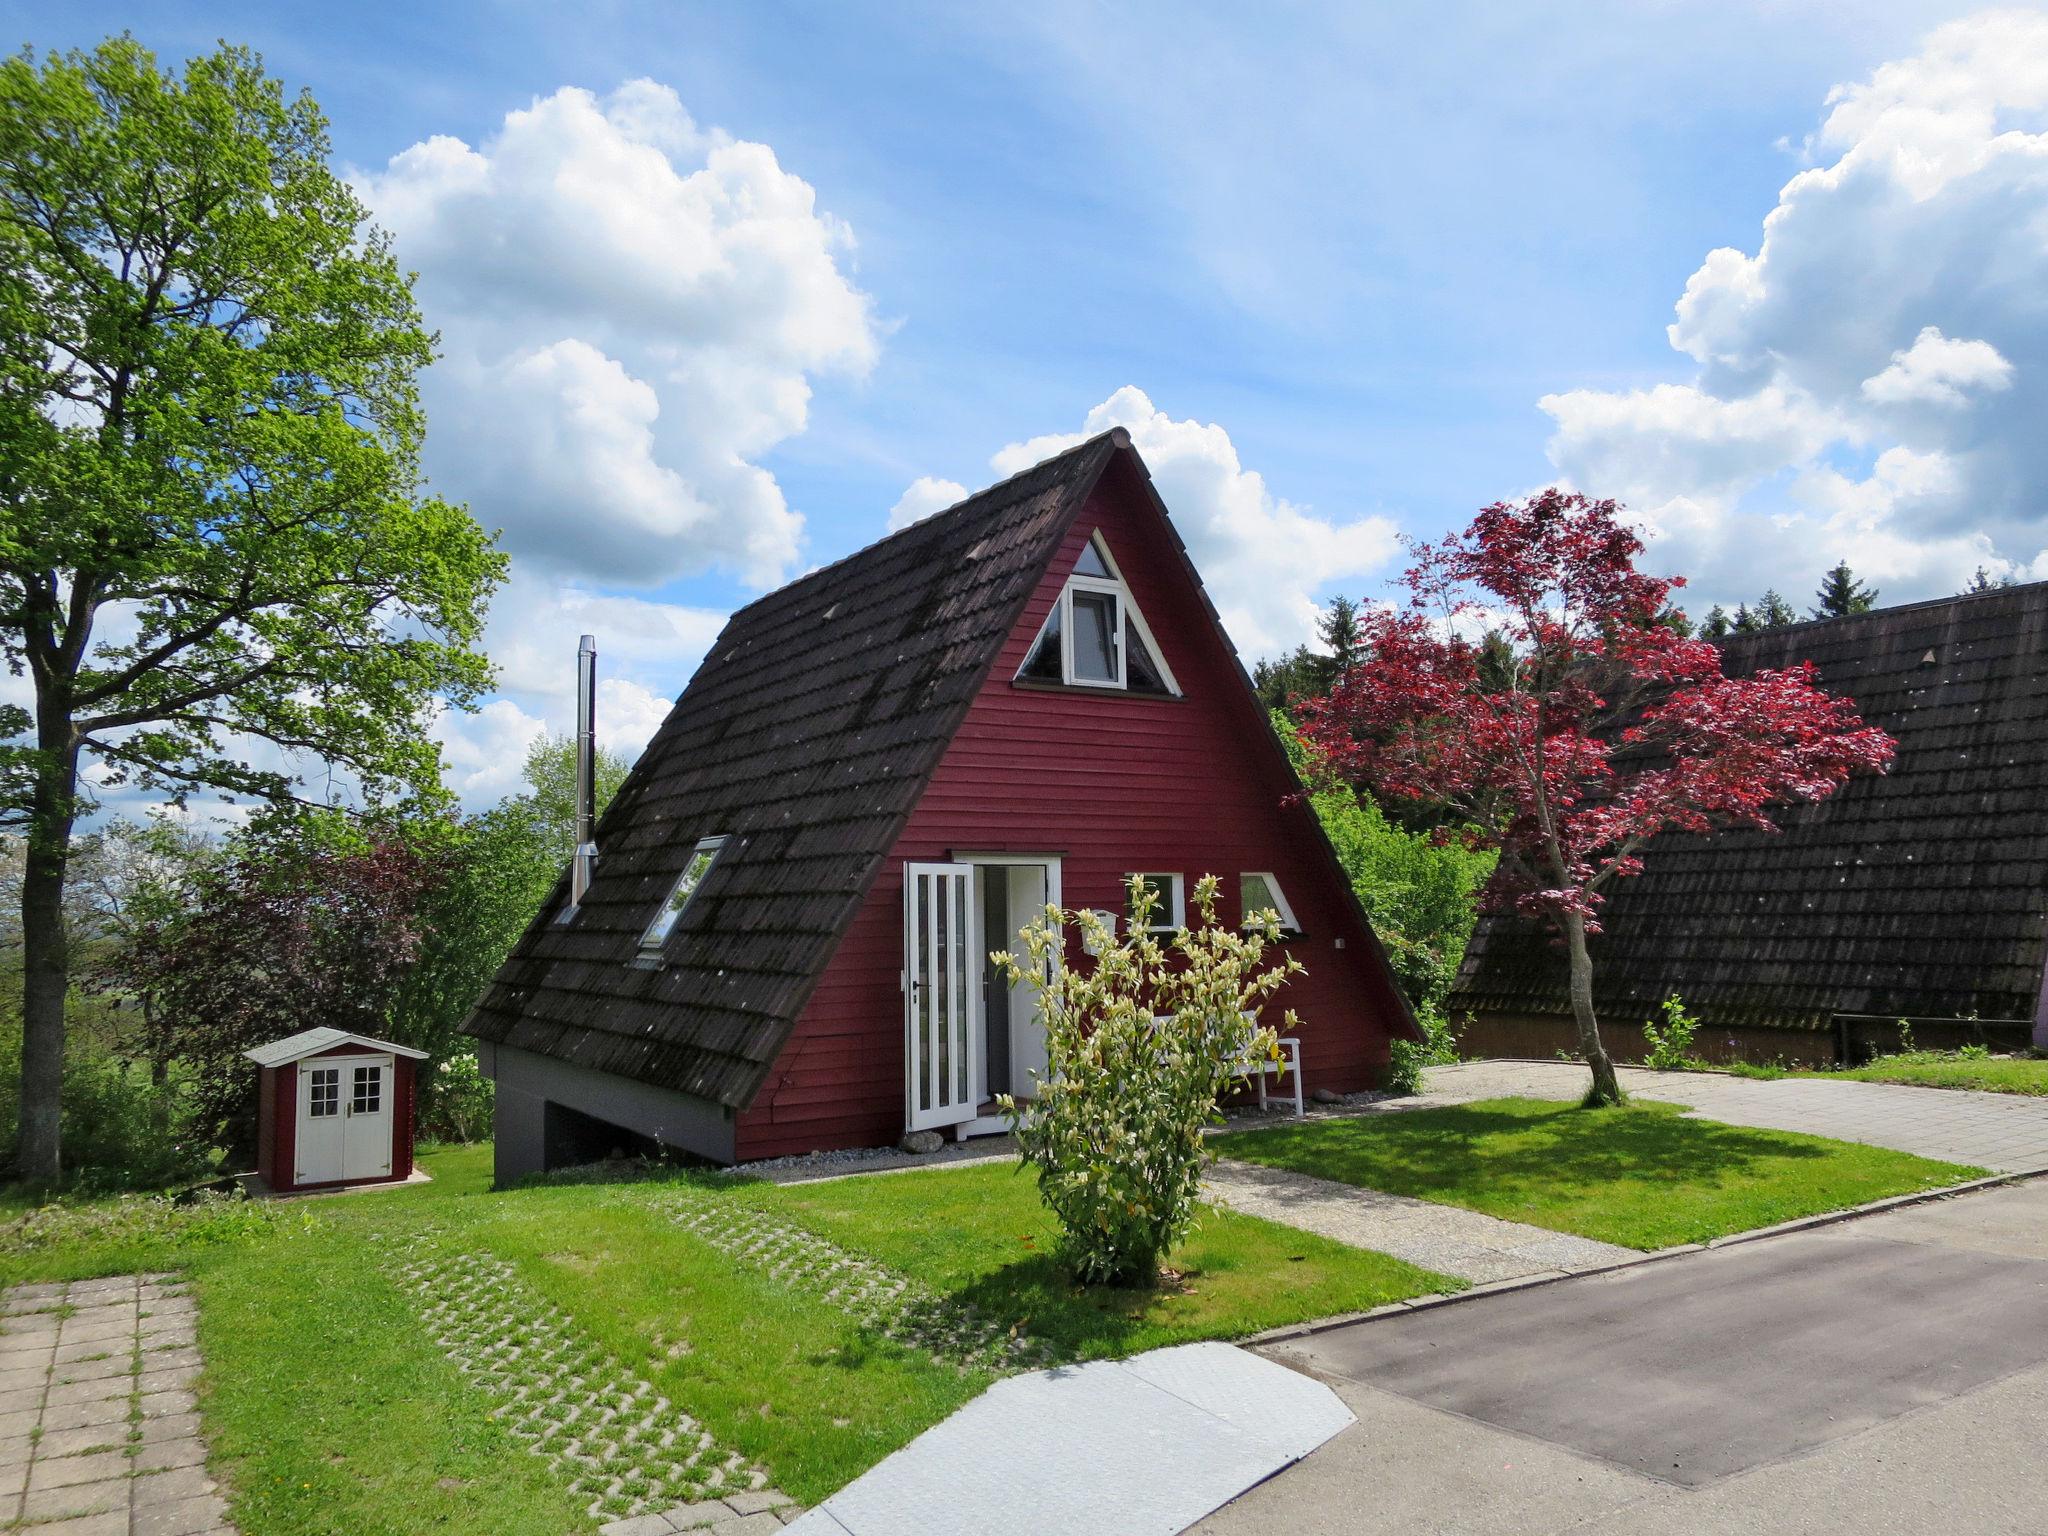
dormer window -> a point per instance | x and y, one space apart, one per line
702 857
1095 637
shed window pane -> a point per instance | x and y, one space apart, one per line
323 1093
1091 562
368 1097
1095 637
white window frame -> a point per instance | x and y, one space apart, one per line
1128 619
653 942
1175 906
1288 925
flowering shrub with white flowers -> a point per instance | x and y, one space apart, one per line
457 1099
1140 1042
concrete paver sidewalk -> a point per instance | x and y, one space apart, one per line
99 1430
1446 1238
2005 1132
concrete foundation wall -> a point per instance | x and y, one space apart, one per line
542 1104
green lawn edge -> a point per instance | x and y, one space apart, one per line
1640 1176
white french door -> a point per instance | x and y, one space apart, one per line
366 1139
345 1111
317 1148
941 977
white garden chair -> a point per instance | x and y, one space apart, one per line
1259 1068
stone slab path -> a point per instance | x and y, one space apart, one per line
2005 1132
1444 1238
1137 1447
99 1430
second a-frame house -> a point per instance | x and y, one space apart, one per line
877 775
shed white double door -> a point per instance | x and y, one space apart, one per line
951 993
344 1119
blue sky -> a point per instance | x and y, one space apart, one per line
1333 260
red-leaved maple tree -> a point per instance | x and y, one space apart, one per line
1534 693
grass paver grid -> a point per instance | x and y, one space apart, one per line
614 1440
871 1293
99 1434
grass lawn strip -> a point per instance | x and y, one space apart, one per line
328 1400
1927 1069
871 1293
1639 1176
617 1442
980 1237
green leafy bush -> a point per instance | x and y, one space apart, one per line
1139 1046
1671 1044
456 1100
122 1129
1420 890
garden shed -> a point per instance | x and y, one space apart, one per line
333 1109
1920 894
778 939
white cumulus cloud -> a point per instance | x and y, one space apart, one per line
1262 557
1869 380
921 498
1938 371
632 310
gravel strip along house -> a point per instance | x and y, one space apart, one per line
778 942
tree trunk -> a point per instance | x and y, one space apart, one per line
46 962
1606 1087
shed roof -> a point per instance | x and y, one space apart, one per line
805 738
1922 893
311 1042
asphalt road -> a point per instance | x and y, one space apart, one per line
1886 1374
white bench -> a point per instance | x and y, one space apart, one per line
1258 1069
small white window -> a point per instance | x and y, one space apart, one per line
1095 637
702 857
1260 892
1171 914
323 1095
368 1097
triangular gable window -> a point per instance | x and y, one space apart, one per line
1095 637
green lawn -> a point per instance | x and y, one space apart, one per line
1939 1069
1640 1176
1922 1069
981 1234
323 1391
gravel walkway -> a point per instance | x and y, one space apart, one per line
1444 1238
99 1431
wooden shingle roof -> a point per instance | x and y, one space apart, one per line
1919 894
805 737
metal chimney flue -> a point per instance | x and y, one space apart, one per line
585 861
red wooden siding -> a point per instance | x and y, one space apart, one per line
1115 783
284 1114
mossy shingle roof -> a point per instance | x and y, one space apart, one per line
805 738
1920 894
